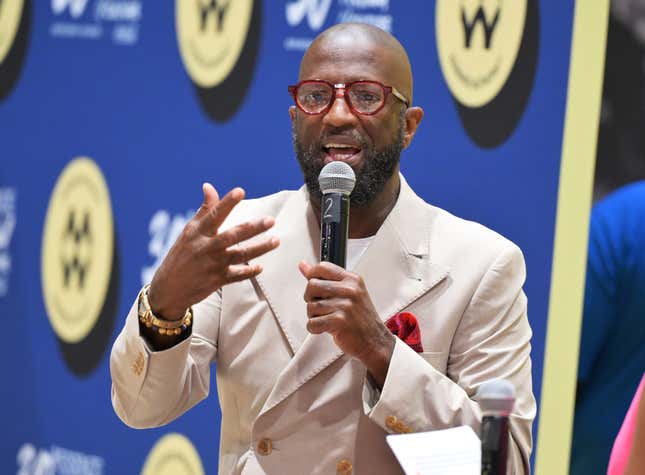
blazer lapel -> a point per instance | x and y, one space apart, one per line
395 268
281 281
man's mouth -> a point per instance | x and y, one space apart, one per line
334 152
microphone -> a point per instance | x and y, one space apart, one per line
496 399
336 182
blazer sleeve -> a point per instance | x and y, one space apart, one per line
492 341
152 388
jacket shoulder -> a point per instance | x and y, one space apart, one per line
453 238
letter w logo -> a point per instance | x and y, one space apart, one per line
76 246
315 10
480 17
219 9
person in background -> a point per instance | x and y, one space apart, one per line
612 348
628 454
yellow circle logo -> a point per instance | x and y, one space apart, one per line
173 454
10 15
77 250
211 35
478 42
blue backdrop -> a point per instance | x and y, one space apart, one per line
110 84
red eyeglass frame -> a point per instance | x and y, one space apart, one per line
340 89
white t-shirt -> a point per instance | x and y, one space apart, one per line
355 249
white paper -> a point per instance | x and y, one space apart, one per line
454 451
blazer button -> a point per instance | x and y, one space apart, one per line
137 365
344 467
401 428
390 422
265 446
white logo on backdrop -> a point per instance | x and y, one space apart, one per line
57 461
164 231
74 20
76 7
7 226
315 11
374 12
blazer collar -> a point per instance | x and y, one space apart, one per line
396 266
396 269
280 280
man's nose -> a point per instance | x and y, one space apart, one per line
339 113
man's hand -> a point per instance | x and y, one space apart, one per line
202 259
338 303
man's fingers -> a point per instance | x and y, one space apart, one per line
320 307
236 273
322 324
218 213
324 270
242 232
305 269
242 254
323 289
227 203
211 198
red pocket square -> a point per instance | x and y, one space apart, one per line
405 326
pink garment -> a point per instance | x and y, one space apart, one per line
623 443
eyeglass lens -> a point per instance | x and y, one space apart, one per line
365 97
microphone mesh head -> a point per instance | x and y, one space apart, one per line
337 177
496 396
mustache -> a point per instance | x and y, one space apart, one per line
352 134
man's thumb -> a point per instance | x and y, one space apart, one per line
211 198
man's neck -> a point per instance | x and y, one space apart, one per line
365 221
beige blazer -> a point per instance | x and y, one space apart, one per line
293 403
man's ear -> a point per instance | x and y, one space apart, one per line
413 116
292 114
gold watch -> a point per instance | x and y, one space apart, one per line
160 325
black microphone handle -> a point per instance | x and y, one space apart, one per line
494 436
334 227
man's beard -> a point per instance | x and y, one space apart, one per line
377 167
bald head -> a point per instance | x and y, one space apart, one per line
346 43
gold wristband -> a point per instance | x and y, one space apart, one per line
160 325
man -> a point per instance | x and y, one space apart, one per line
310 378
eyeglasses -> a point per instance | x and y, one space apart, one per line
364 97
